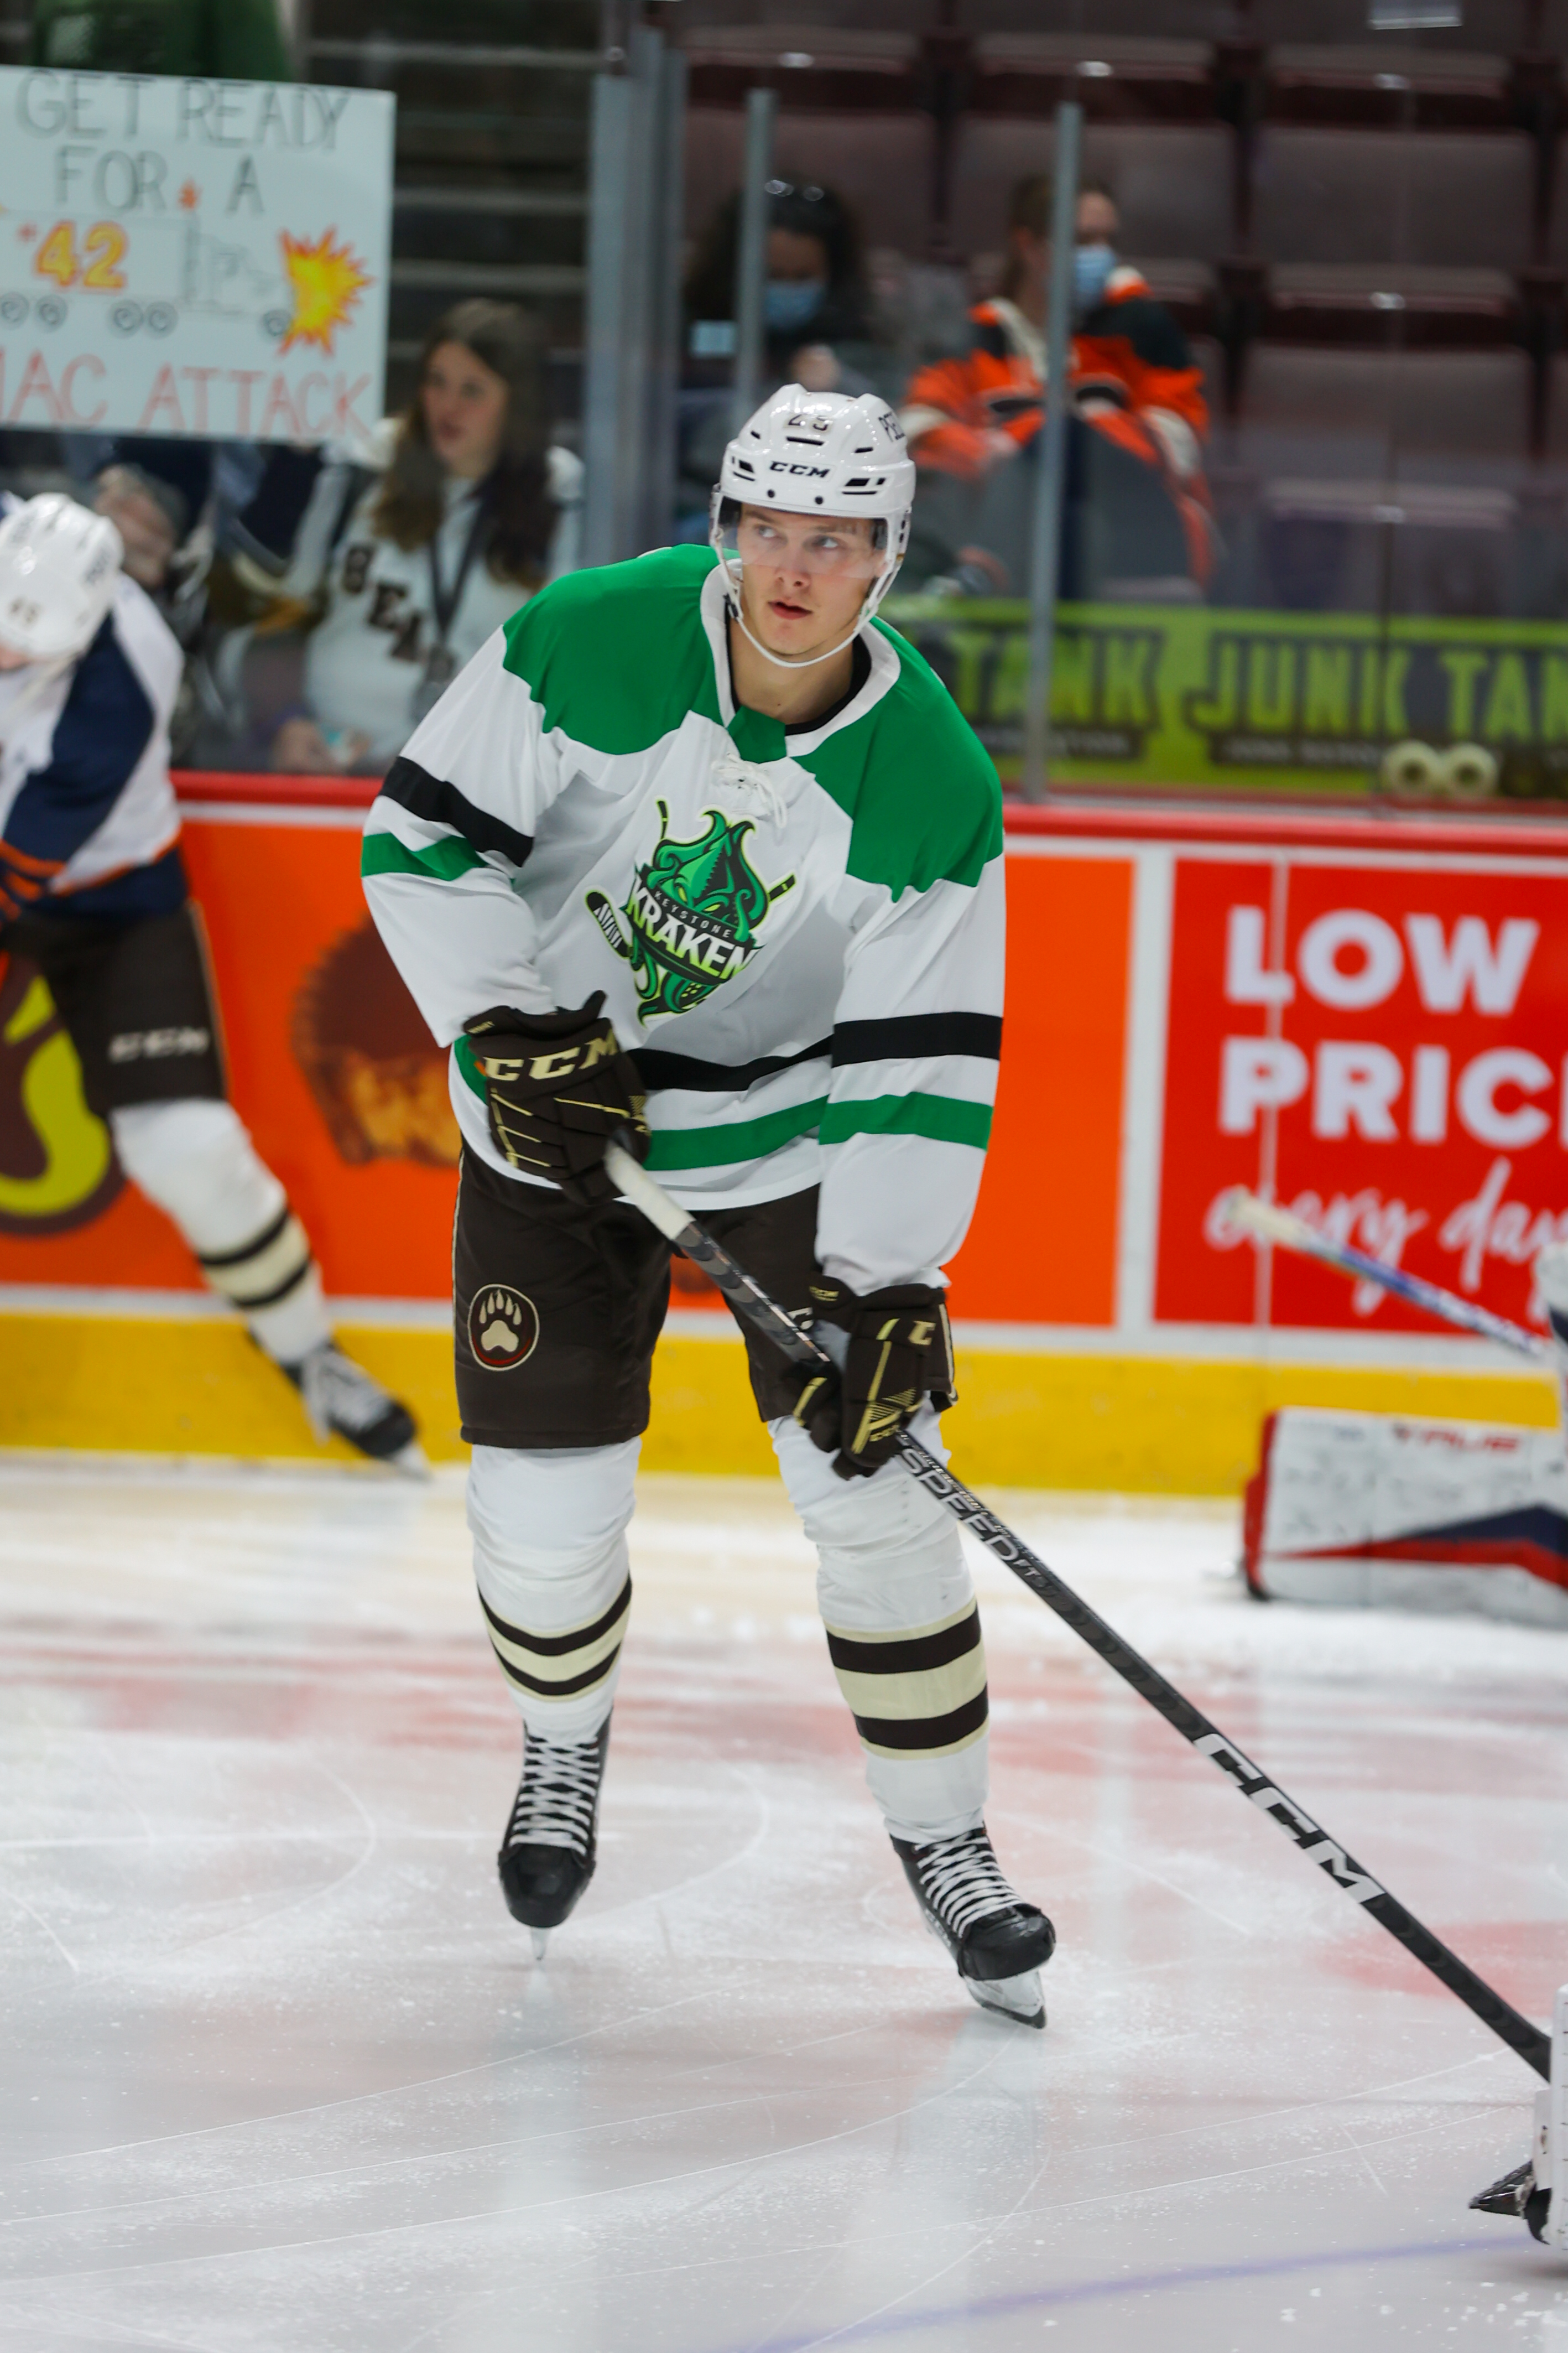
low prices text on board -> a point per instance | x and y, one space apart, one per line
193 256
1382 1048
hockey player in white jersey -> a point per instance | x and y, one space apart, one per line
92 891
696 849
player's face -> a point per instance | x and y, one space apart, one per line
11 657
804 577
465 410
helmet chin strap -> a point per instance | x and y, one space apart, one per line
868 605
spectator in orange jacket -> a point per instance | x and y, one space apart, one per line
1139 417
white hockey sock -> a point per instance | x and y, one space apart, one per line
554 1579
903 1630
195 1161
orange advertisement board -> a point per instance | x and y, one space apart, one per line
346 1093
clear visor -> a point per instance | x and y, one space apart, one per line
812 546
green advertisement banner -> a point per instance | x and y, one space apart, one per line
1184 694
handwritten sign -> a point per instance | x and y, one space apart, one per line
193 256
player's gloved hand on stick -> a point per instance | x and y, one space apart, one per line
558 1088
895 1349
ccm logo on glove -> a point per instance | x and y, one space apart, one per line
559 1087
896 1350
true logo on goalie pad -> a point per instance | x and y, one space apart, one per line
503 1327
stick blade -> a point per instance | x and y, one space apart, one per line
1537 2191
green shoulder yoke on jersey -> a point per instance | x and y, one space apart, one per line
617 656
915 781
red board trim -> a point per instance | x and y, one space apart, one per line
1118 820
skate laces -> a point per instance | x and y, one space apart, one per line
337 1395
748 777
558 1794
963 1879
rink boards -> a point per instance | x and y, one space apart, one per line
1363 1016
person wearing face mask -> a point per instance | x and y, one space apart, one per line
816 301
817 323
1137 503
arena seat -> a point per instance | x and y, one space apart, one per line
1172 181
1556 451
1115 78
814 66
1326 415
1433 199
1557 225
1367 83
1497 24
1389 303
883 170
1452 199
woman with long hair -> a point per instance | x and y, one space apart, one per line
474 511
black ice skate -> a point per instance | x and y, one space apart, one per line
339 1397
999 1942
548 1854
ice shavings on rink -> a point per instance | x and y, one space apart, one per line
279 2072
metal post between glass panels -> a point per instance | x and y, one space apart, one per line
1044 568
752 252
667 210
609 215
628 254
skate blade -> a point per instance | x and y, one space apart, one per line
1015 1998
540 1942
411 1462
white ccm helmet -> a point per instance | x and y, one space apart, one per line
58 564
818 453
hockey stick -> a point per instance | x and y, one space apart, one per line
1266 1222
757 1309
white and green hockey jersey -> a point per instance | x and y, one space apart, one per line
800 936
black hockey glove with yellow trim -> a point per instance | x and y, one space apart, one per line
896 1350
558 1089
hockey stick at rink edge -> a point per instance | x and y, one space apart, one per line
752 1303
1266 1222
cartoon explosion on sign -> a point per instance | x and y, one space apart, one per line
326 280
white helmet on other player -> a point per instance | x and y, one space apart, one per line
58 564
818 453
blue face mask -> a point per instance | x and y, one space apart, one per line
792 302
1091 268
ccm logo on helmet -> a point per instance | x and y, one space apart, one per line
812 473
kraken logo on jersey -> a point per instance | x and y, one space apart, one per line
694 912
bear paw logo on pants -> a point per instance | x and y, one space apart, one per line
503 1327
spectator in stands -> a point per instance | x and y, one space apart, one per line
816 301
474 511
820 323
240 40
1137 506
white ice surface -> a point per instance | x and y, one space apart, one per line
279 2075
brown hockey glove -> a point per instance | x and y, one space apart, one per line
558 1089
896 1350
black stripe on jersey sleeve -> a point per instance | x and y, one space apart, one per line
423 795
915 1037
661 1069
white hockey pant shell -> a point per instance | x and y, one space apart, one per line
555 1577
904 1631
195 1161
